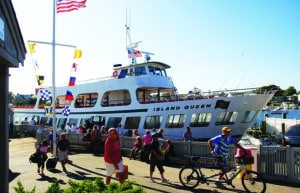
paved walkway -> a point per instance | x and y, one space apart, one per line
87 166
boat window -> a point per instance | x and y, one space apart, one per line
61 102
18 119
46 121
99 120
151 70
116 98
113 122
200 120
132 123
86 100
175 121
43 103
226 118
141 70
249 116
152 122
61 123
123 73
73 120
149 95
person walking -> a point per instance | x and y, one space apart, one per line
187 135
62 150
42 150
156 159
220 145
112 156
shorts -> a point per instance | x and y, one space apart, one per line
110 168
62 155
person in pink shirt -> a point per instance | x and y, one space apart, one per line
147 140
42 150
112 156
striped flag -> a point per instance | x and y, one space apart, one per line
69 5
48 110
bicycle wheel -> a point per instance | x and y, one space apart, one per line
253 182
189 177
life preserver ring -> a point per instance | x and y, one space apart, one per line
115 74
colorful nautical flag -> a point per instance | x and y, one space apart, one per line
137 53
222 104
31 48
45 94
69 5
72 81
77 54
40 79
66 111
74 67
48 110
69 96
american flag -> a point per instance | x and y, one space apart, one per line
66 111
45 94
69 5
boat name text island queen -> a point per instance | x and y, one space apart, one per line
142 96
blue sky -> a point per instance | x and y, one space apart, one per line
210 44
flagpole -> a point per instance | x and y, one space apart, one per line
53 80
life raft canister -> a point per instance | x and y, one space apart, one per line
115 74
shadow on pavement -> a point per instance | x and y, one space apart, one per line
12 175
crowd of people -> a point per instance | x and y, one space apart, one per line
150 147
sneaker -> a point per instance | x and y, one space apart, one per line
152 180
164 180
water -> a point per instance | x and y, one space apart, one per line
291 114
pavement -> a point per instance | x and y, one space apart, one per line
87 166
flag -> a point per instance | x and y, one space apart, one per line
40 79
48 110
222 104
69 96
77 54
66 111
74 67
69 5
137 53
31 48
45 94
72 81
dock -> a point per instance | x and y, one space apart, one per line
87 166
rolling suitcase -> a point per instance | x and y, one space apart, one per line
51 163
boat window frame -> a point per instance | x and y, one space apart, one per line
227 118
154 122
200 119
172 121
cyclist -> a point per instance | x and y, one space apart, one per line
219 146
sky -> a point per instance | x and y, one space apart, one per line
209 44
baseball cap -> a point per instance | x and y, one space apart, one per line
226 129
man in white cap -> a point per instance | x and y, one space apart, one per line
220 145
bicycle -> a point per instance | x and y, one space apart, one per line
190 177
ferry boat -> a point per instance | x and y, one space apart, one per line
142 96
